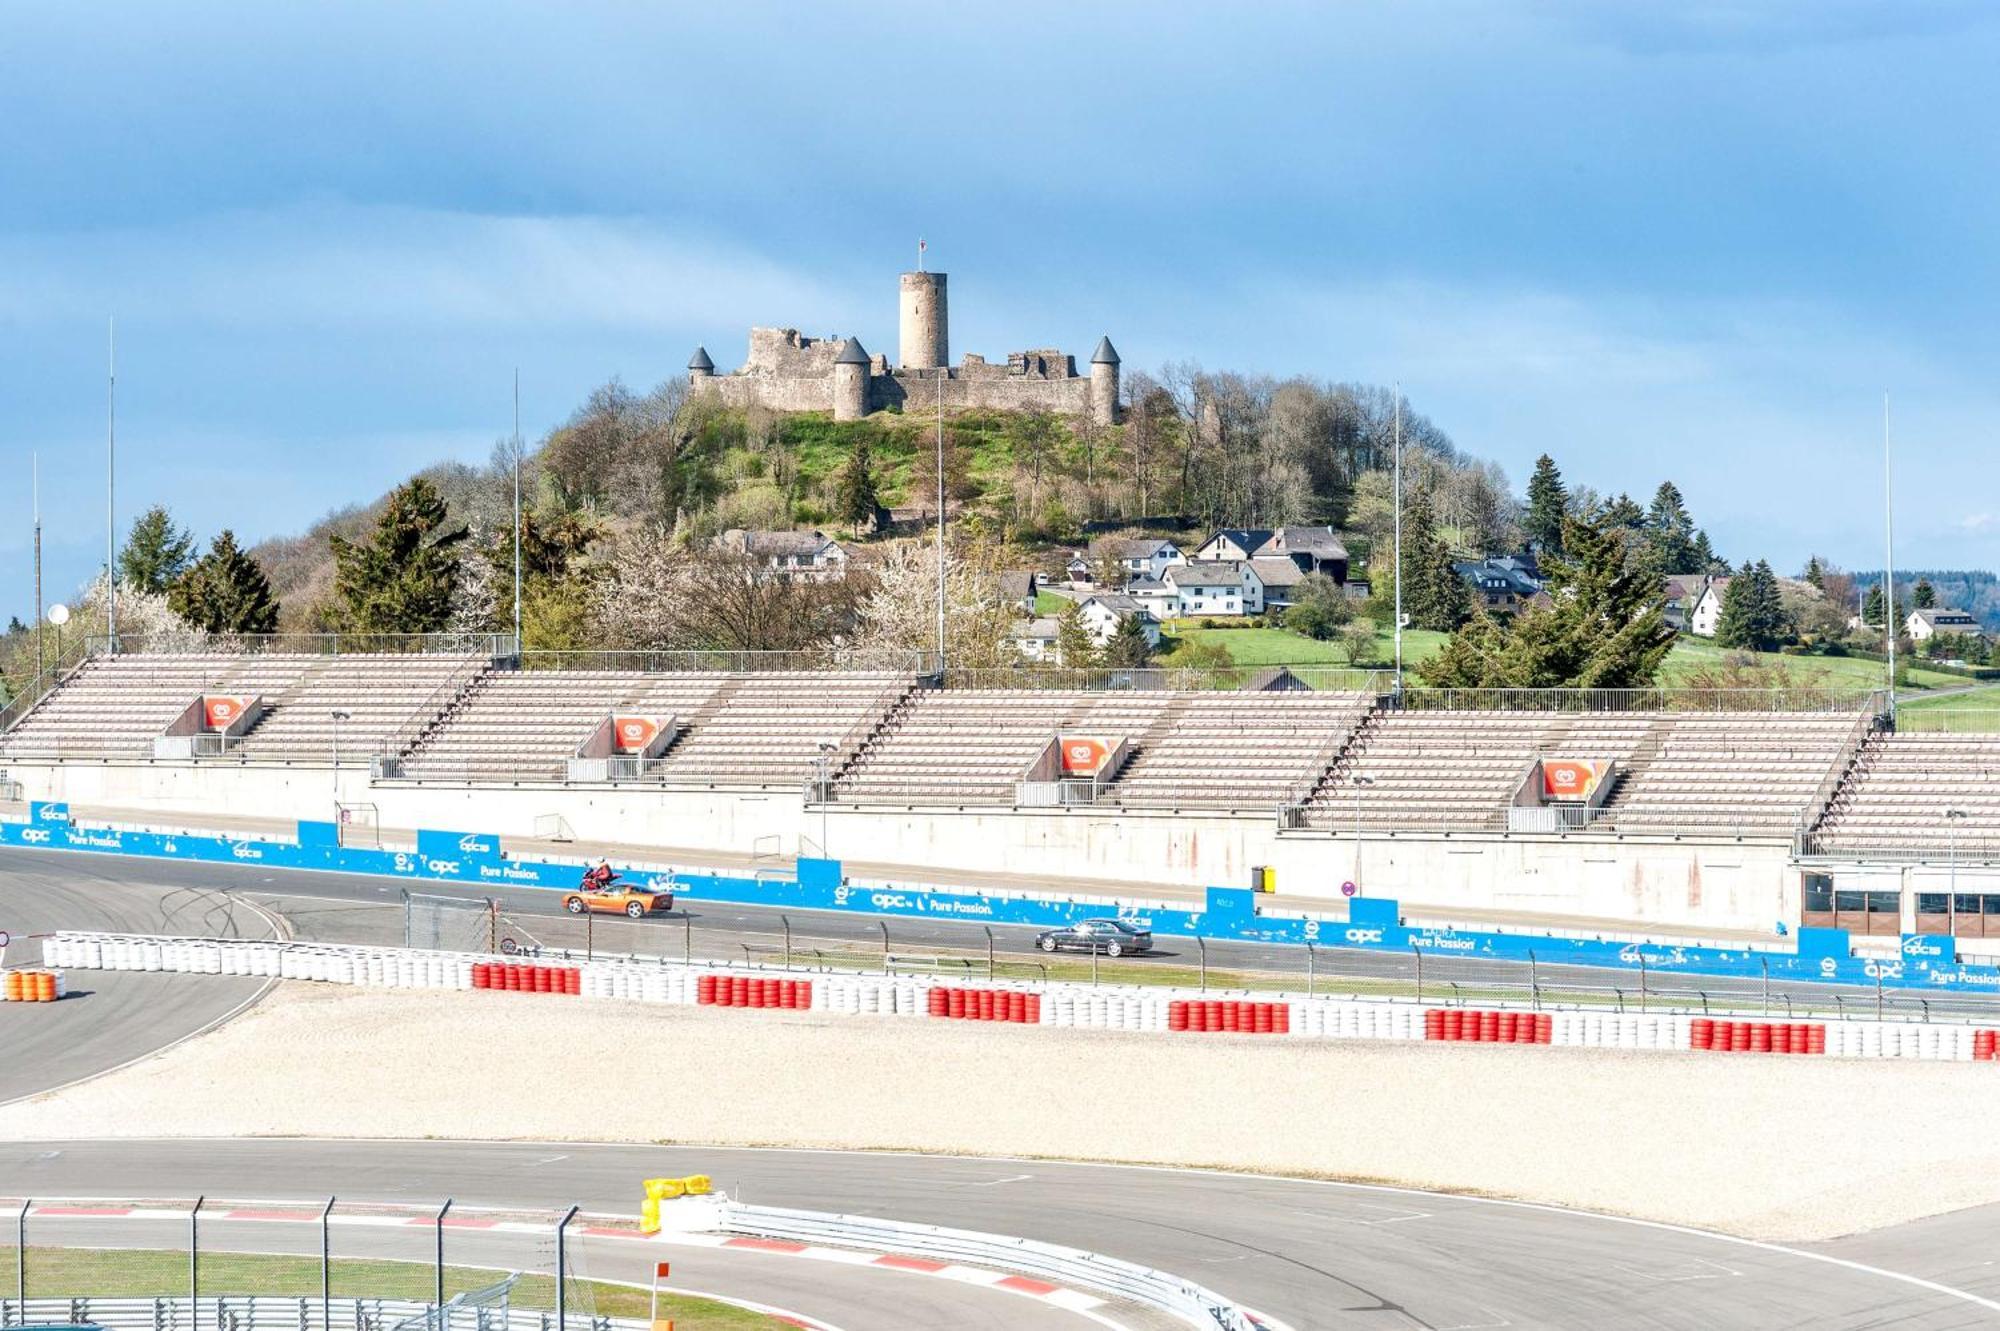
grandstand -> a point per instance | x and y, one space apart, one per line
1918 794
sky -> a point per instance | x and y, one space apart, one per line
1696 242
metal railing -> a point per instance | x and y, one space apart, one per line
727 660
412 727
1843 762
1238 679
40 686
1174 1295
1948 721
265 1312
309 644
1659 699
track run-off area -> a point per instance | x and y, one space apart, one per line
1311 1253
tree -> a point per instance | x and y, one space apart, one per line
1548 501
1358 641
1705 560
1753 614
1815 572
1603 627
1923 596
225 591
1871 607
857 501
1128 645
1671 532
1434 594
402 578
157 553
1075 648
1319 607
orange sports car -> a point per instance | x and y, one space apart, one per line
619 899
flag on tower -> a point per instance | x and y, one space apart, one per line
921 247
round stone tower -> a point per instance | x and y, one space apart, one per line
850 382
925 329
1104 383
700 367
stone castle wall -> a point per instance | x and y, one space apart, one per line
905 391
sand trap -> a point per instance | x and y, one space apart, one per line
1787 1148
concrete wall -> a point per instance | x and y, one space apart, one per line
1665 882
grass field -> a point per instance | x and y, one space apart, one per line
1837 672
122 1273
1270 646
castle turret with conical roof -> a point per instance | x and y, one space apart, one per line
1104 383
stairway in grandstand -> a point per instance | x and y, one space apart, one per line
1895 795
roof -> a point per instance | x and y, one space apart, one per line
1043 629
1015 584
700 360
1317 541
1145 587
1681 586
770 543
1943 615
1206 572
852 353
1492 572
1249 539
1277 571
1106 354
1118 603
1130 547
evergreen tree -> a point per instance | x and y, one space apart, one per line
1548 502
1705 560
1074 646
225 591
1624 512
1127 646
1434 594
857 501
1871 607
14 625
1753 615
1671 532
157 553
1815 574
1923 596
1604 626
402 578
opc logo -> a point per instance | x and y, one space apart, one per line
442 866
35 836
1364 935
244 852
889 900
474 844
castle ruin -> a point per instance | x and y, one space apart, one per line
787 371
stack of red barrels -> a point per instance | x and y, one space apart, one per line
753 991
1235 1015
520 978
32 987
1986 1046
1480 1026
984 1005
1758 1037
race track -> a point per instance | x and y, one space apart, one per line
1314 1254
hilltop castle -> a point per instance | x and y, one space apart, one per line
786 371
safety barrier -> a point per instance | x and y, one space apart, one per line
261 1312
31 986
1065 1005
1183 1299
1488 1026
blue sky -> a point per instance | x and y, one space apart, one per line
1696 244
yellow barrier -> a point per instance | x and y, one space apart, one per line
665 1190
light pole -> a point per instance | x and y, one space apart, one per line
1360 783
1952 817
826 749
338 717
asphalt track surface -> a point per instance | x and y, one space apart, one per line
1314 1254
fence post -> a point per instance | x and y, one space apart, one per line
437 1227
562 1264
1534 983
326 1266
687 936
1312 967
1878 991
194 1262
1202 944
1642 979
989 952
883 925
1764 964
21 1255
786 921
1420 970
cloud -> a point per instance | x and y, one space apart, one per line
1979 523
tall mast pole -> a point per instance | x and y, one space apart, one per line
35 484
943 374
1888 560
110 490
1398 446
517 512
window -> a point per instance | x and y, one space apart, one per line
1965 903
1933 903
1819 892
1884 903
1854 901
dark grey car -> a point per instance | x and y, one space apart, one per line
1114 938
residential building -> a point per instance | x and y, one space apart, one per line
1923 625
1036 640
792 553
1136 556
1280 577
1215 587
1017 587
1313 549
1707 614
1683 592
1105 611
1502 585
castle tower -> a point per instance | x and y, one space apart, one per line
700 367
1104 383
926 342
850 382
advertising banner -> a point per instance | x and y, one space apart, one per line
1566 780
631 734
1084 755
221 710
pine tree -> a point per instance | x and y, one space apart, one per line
1871 607
402 578
1127 646
1753 614
1075 648
1548 502
1434 594
1815 574
1604 626
1670 531
857 501
156 553
1705 560
225 591
1923 596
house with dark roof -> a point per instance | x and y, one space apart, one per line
1923 625
809 554
1313 549
1500 584
1136 556
1103 612
1280 577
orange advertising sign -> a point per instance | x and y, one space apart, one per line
1566 779
222 711
1084 755
631 734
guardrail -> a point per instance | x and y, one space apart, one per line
413 726
263 1312
41 685
1639 700
1171 1294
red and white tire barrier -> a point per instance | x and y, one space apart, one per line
1174 1012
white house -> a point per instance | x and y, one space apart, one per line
1103 613
1218 587
1035 640
808 554
1312 549
1137 556
1708 608
1923 625
1280 577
